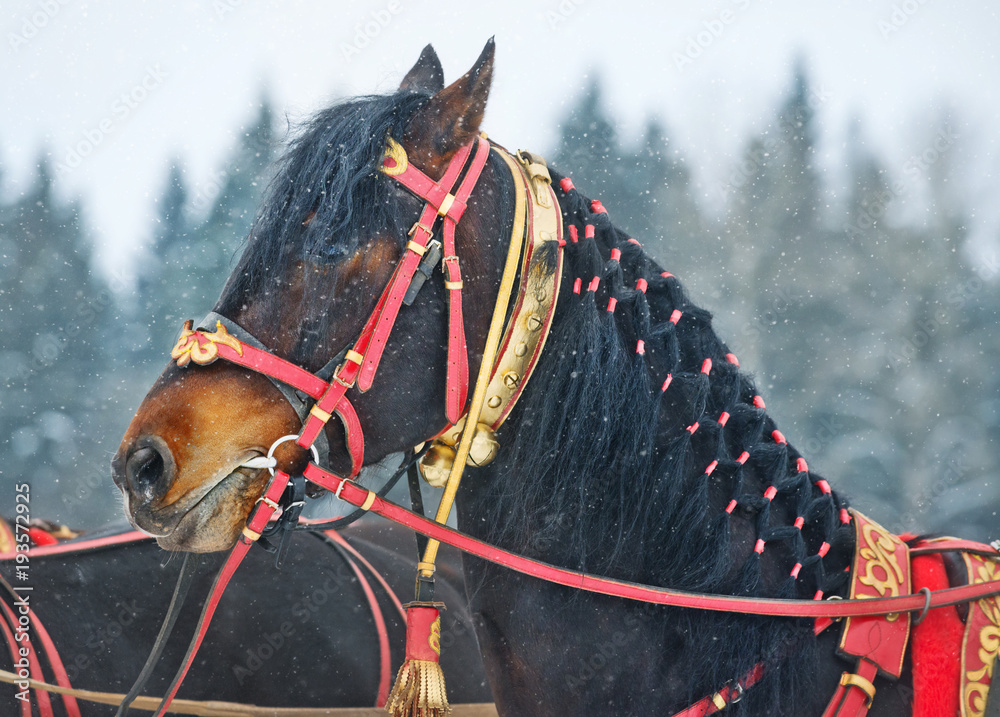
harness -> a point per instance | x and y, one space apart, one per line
368 577
871 607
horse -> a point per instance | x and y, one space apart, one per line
639 451
100 599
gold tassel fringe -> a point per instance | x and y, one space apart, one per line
419 691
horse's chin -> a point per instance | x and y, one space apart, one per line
214 523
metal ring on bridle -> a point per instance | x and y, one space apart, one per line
927 604
283 439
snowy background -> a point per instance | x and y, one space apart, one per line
823 178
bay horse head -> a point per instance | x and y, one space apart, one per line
325 243
639 452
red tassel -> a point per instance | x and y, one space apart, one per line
419 690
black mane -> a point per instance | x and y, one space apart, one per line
603 468
327 195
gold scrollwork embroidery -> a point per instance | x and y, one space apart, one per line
188 348
880 553
978 681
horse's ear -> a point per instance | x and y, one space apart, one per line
452 116
425 76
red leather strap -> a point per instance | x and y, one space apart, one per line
34 666
261 514
79 546
55 662
724 697
13 647
457 384
849 700
947 545
385 660
354 494
341 540
414 180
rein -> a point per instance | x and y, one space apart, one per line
359 367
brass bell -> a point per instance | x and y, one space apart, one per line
484 446
435 465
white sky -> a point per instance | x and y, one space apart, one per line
64 66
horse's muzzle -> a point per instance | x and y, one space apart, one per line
144 471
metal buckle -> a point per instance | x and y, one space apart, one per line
739 694
835 597
418 225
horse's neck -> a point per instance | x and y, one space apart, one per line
637 432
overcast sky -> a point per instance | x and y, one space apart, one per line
147 81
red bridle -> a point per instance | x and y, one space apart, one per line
359 368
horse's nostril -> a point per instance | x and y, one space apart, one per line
144 468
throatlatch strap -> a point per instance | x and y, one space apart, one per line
189 569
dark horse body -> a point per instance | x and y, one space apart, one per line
103 608
650 465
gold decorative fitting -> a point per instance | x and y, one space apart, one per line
452 285
538 176
521 349
354 357
446 203
188 348
435 466
322 415
849 679
510 380
369 501
417 249
396 157
534 322
251 535
494 402
484 446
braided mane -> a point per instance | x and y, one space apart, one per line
643 453
661 452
